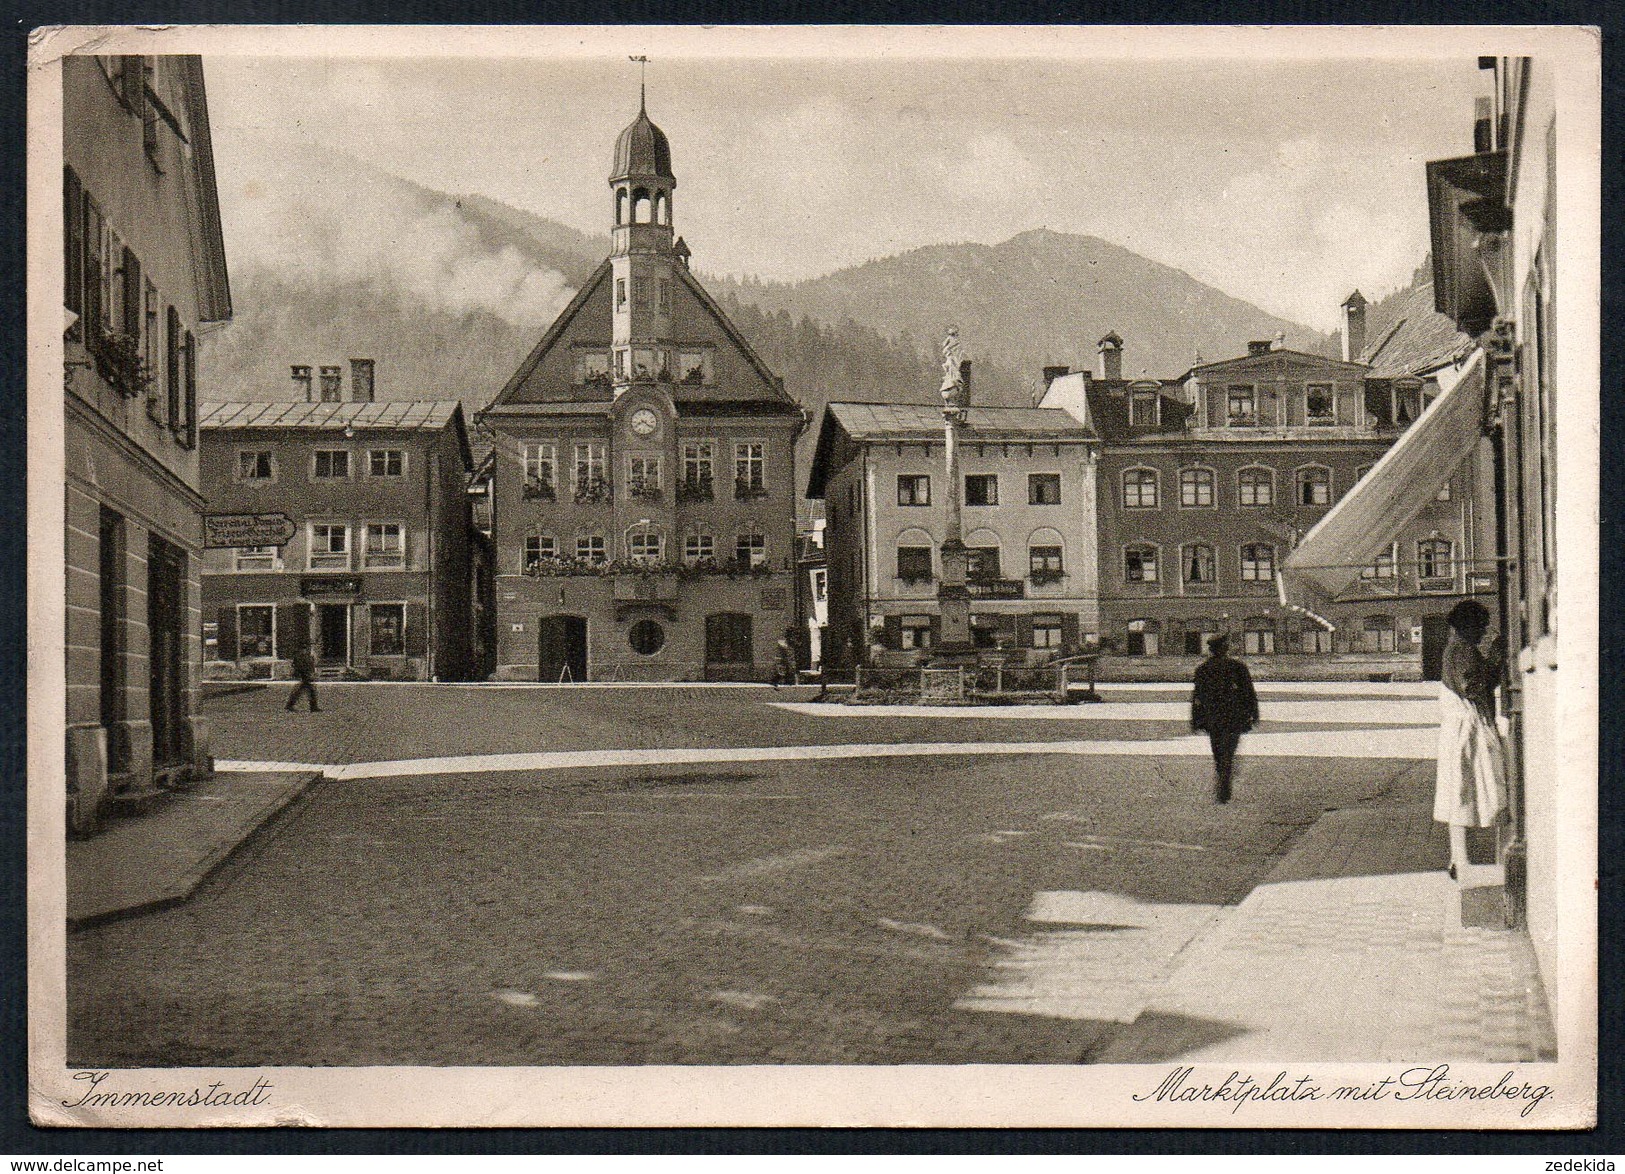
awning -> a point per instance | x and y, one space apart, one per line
1382 503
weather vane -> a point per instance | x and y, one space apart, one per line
643 75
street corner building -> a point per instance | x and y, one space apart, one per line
373 571
1028 508
1210 480
144 274
643 490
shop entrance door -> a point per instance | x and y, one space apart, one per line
728 655
561 649
166 631
332 634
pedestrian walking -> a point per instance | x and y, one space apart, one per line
1470 788
1224 704
304 667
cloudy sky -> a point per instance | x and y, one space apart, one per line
1287 183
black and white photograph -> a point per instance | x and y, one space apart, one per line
813 576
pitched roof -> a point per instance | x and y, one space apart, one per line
1405 335
398 415
924 421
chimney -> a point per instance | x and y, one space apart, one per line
332 384
1258 347
1353 327
361 371
1111 356
301 379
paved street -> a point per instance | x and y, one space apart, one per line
863 911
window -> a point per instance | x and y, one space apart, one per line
1140 489
257 558
386 629
386 547
643 478
590 548
697 461
1314 486
152 354
1043 489
1044 563
1378 632
1198 563
665 296
694 367
332 462
645 363
982 489
539 475
1382 568
620 292
254 466
386 462
621 360
914 564
1257 563
699 548
329 546
645 546
1197 631
1319 404
982 562
1046 631
1256 487
1258 636
647 637
913 489
1144 638
1433 561
1143 409
750 469
1140 563
916 632
984 631
751 550
1195 488
589 473
1241 405
1317 640
256 630
592 367
539 547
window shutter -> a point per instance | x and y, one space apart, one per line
417 629
172 365
936 630
132 295
189 402
1024 631
73 242
292 628
893 633
226 645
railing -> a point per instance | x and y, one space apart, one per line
990 682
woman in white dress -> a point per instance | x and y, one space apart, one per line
1471 789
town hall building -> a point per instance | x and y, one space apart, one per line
643 491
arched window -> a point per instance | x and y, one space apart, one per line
1257 562
1195 488
1378 632
983 547
641 207
1255 486
1258 636
914 556
1196 563
1140 489
1314 485
662 208
620 206
699 545
1144 638
1140 563
645 543
1045 556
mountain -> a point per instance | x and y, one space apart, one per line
1039 298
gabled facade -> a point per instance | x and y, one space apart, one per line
1210 480
379 579
1028 519
144 275
643 487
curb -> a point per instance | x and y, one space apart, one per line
206 867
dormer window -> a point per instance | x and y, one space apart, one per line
1145 409
1241 405
1320 404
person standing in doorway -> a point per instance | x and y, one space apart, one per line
1224 704
1470 789
304 668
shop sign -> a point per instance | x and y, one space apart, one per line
229 531
329 585
997 588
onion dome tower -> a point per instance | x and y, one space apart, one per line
643 256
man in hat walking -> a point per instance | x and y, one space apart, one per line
1226 706
304 668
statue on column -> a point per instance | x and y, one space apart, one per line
953 388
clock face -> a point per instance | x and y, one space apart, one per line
644 421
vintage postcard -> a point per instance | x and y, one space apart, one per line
813 576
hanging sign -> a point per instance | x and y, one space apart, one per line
225 531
